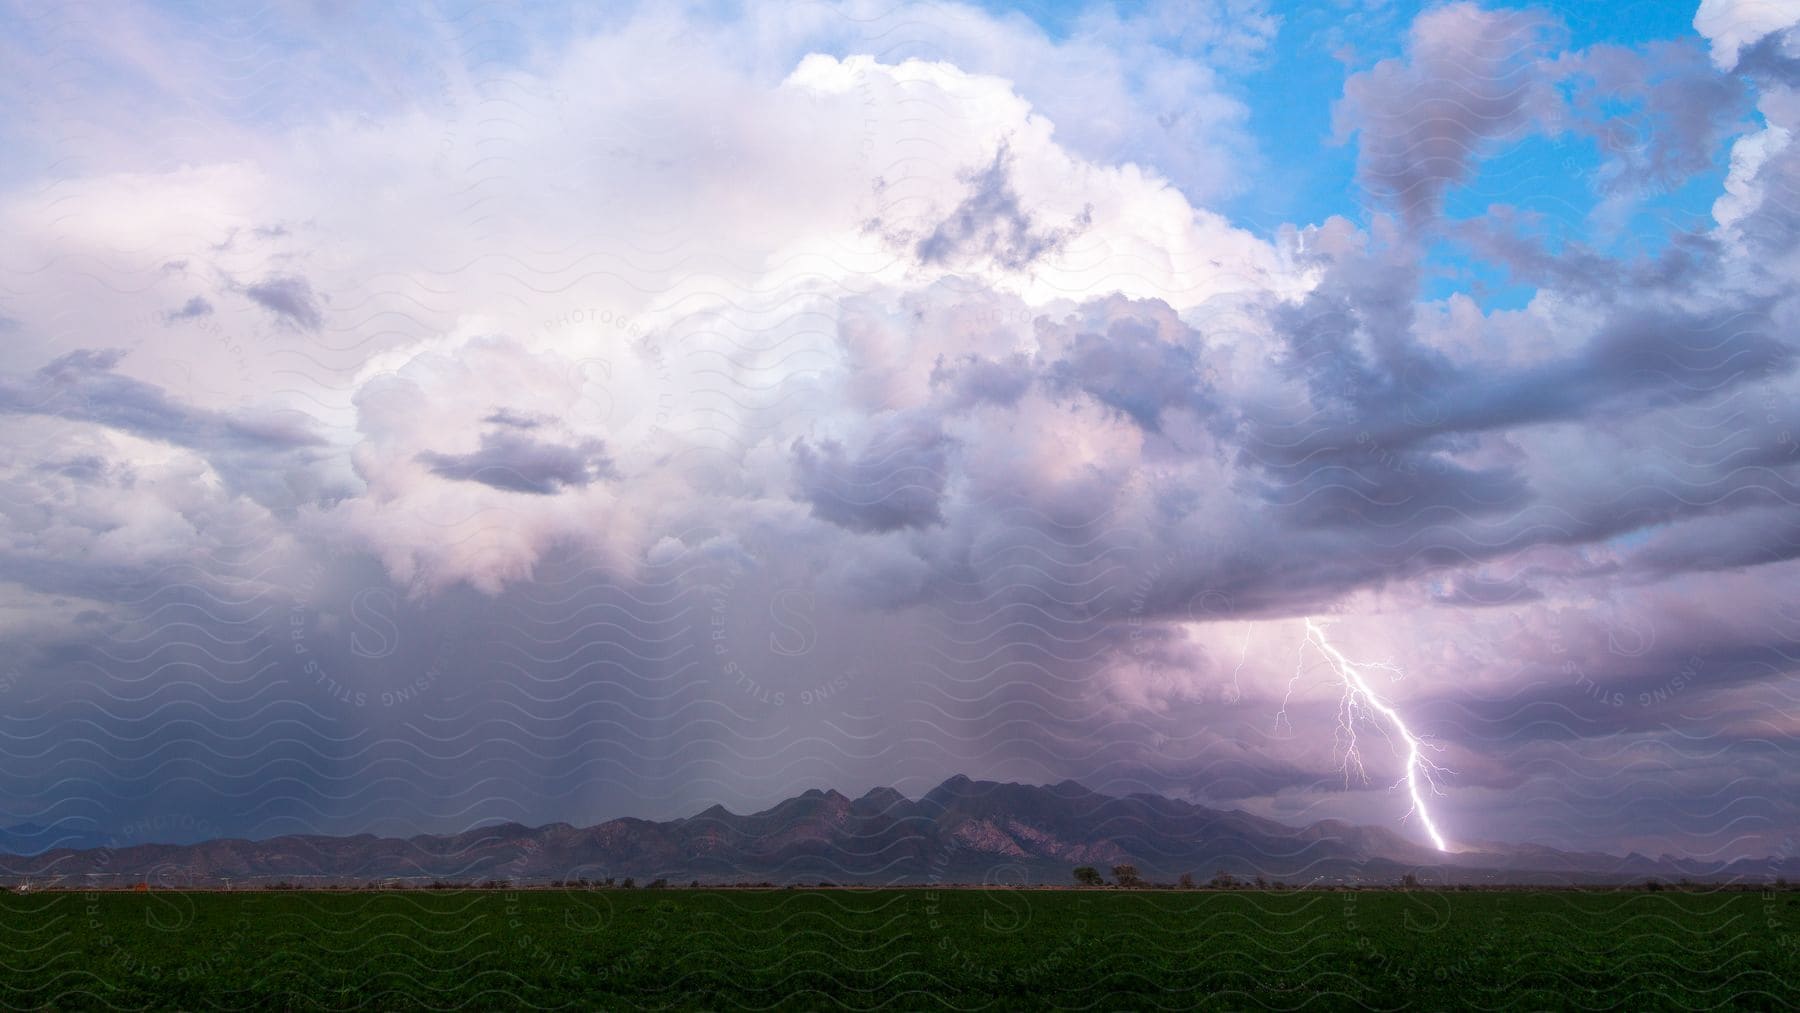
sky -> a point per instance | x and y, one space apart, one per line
441 415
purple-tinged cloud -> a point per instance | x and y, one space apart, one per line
518 462
291 299
1470 79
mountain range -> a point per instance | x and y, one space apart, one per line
961 832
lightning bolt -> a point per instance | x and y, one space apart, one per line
1360 697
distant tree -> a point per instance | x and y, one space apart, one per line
694 885
1223 880
1127 875
629 883
1261 883
1186 882
1087 875
658 884
1410 881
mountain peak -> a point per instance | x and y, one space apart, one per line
881 802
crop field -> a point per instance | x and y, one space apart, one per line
901 949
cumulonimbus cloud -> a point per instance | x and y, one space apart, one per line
1042 470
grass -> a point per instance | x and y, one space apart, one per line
902 949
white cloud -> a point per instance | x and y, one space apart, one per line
647 239
1732 25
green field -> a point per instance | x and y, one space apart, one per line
902 949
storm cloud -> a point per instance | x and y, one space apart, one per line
854 400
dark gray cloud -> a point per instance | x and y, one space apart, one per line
973 380
193 309
1771 59
895 481
516 461
291 299
278 459
1757 536
1382 391
1141 361
1631 684
83 386
511 419
1519 241
89 468
991 225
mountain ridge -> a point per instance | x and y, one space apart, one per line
961 831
